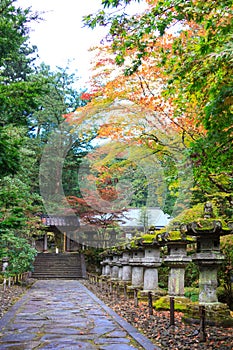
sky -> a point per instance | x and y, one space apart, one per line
61 37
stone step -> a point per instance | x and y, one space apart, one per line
52 265
59 271
43 276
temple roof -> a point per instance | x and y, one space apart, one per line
138 217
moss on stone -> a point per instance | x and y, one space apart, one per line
163 303
148 238
196 214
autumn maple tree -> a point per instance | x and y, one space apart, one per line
174 62
95 214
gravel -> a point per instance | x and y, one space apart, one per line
9 297
12 294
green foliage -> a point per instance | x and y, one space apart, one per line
32 103
10 142
163 272
18 202
225 296
225 273
191 275
58 97
93 258
194 213
19 253
17 93
192 293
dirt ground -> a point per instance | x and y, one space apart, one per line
157 326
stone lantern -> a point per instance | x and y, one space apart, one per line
120 270
106 269
137 268
151 261
103 264
114 266
126 267
177 260
208 257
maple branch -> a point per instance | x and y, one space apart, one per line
141 84
147 85
180 127
184 131
159 142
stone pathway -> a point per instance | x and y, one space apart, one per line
64 314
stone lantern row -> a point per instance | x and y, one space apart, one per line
139 266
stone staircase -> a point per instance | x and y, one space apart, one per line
61 265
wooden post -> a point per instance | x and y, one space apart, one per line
64 242
150 303
136 297
172 311
101 283
125 291
106 286
202 324
110 288
117 289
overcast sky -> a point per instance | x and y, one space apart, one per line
61 36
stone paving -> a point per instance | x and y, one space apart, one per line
64 314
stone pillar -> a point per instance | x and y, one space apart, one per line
114 267
126 267
107 266
103 268
208 283
120 272
137 268
177 260
104 263
150 283
151 261
137 276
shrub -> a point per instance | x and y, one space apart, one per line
19 253
192 293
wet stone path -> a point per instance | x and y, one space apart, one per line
64 314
